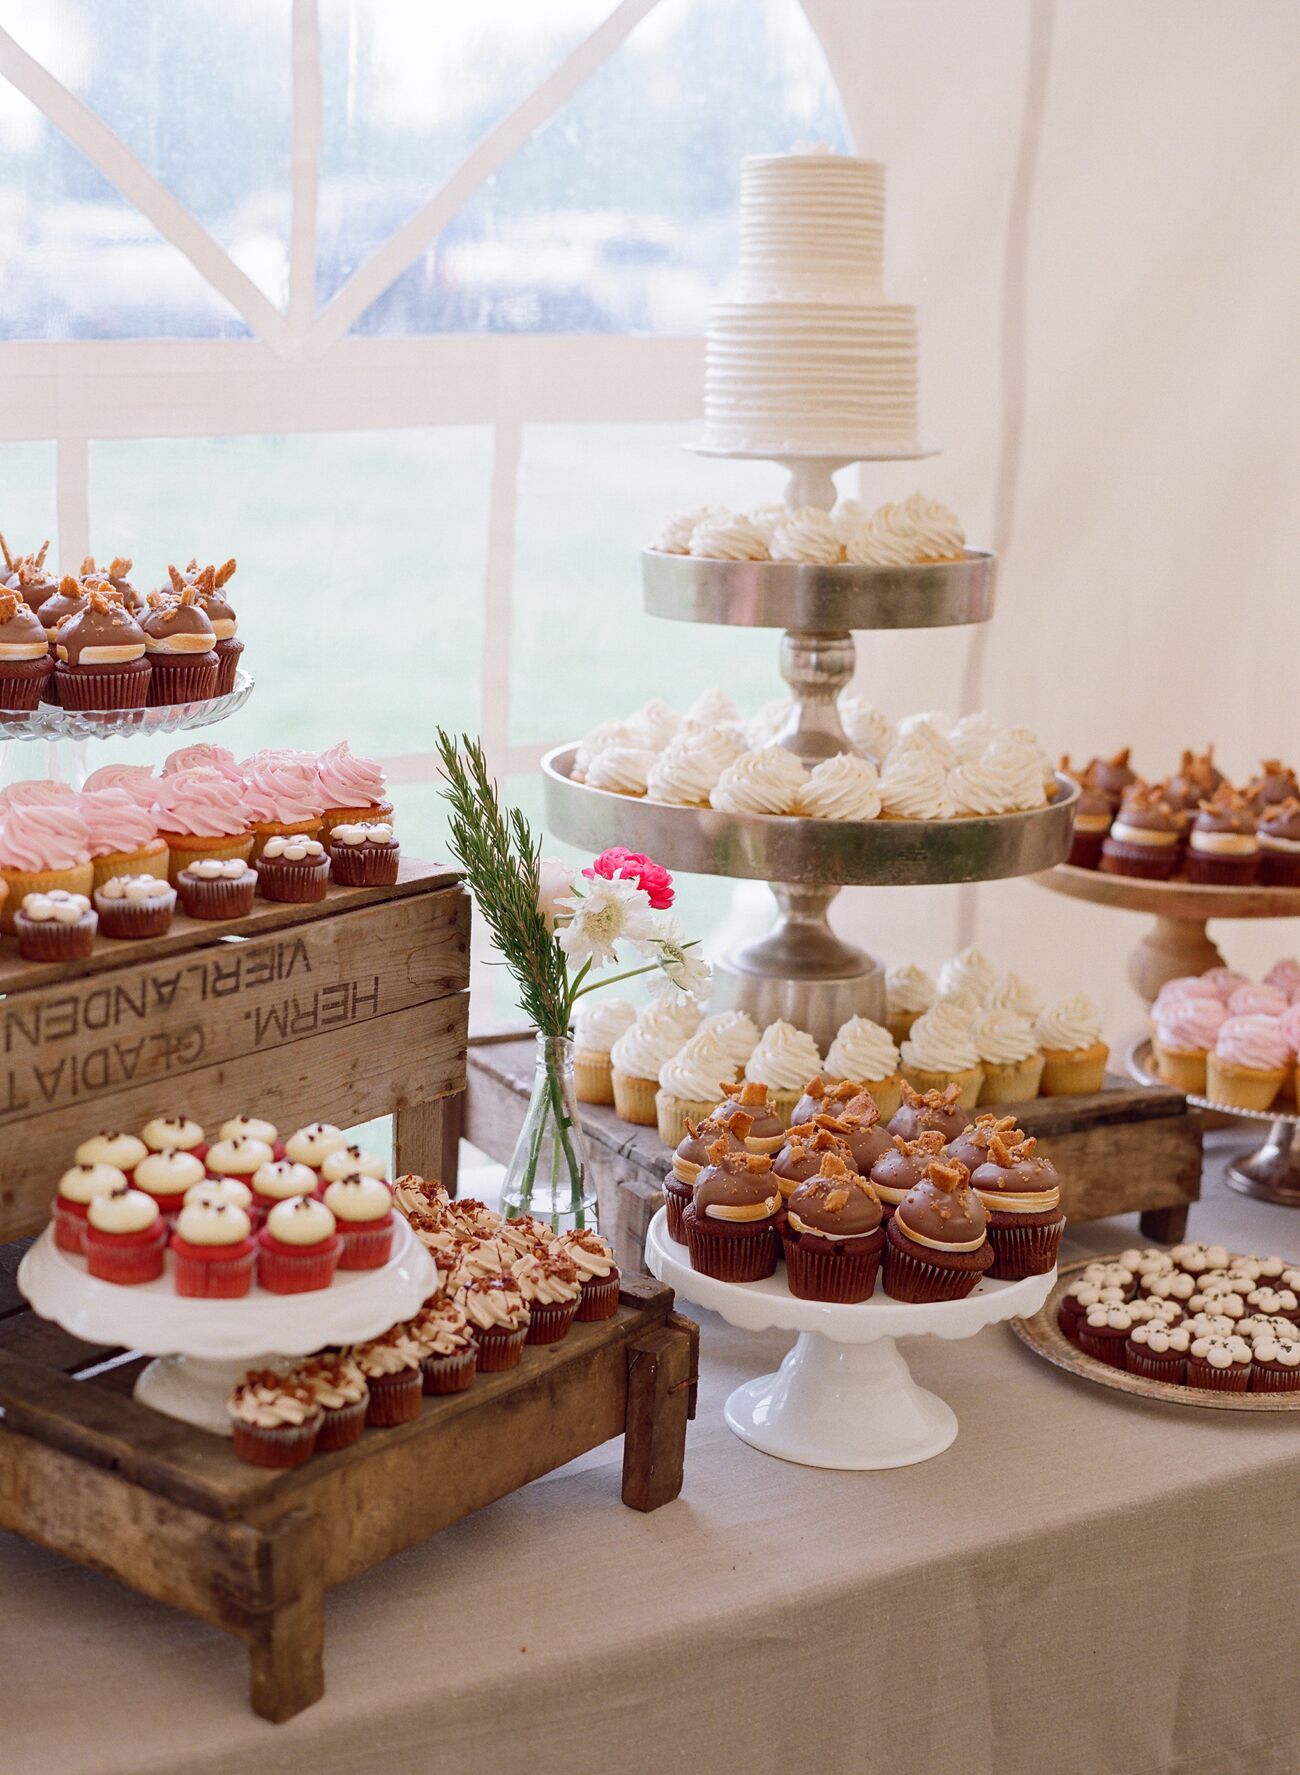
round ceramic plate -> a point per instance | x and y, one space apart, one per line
1046 1339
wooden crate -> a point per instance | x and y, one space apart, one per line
1129 1147
170 1511
351 1008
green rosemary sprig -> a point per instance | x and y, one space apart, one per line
500 857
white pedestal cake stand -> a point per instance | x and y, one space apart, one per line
203 1346
843 1397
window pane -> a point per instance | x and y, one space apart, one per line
360 567
582 648
27 510
619 215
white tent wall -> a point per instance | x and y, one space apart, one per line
1094 205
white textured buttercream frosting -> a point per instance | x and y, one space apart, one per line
765 782
909 988
869 731
845 787
807 535
941 1040
700 1069
1003 1037
622 769
862 1050
686 771
1073 1023
722 537
785 1058
970 970
737 1032
598 1023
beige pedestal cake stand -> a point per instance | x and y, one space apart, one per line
1177 943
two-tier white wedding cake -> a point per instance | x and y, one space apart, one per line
810 357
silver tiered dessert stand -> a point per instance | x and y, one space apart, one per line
801 970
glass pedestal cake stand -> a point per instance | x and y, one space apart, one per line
202 1347
802 971
66 731
1177 942
843 1397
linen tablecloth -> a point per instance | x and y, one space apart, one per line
1082 1584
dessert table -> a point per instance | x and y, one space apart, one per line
1081 1582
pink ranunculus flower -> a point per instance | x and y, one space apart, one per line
632 866
554 881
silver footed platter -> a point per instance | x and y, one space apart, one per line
819 600
51 722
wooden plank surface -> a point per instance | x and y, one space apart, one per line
186 934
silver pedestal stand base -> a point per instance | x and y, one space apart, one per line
1272 1172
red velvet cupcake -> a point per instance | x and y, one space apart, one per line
498 1316
1275 1365
731 1222
936 1245
111 1147
1103 1333
168 1176
448 1353
298 1249
78 1188
363 1208
391 1366
338 1387
548 1280
1158 1351
833 1235
1220 1364
126 1238
279 1181
212 1251
174 1134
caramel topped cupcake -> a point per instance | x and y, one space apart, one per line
860 1128
1195 780
1278 833
731 1222
26 664
692 1153
833 1236
211 583
767 1130
1020 1192
971 1146
28 575
1092 816
1143 840
1112 776
1222 848
823 1099
901 1168
181 646
801 1156
923 1112
1273 783
936 1246
116 576
101 648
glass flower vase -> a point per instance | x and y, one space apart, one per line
548 1175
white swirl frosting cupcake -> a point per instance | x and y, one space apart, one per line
721 537
845 787
970 970
914 783
784 1060
691 1082
807 536
940 1051
909 990
623 770
767 782
1069 1036
639 1053
737 1032
1008 1052
597 1025
869 731
865 1053
687 770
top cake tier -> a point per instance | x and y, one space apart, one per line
812 228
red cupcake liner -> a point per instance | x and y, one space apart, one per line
449 1374
911 1278
394 1398
227 652
500 1349
745 1252
166 1204
364 865
286 1445
677 1199
212 1272
367 1245
296 1269
22 683
103 687
599 1298
70 1226
182 678
1170 1367
341 1426
292 883
1109 1350
126 1258
46 940
1266 1379
549 1321
1217 1380
1020 1251
832 1269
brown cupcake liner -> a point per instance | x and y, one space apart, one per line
1204 1375
832 1269
499 1349
1265 1379
746 1252
135 918
1109 1350
376 865
911 1278
394 1398
22 681
1085 849
1068 1324
218 898
41 941
227 652
182 678
1208 871
599 1298
286 1445
103 687
1139 861
549 1321
449 1374
340 1428
292 883
1169 1368
1276 868
677 1198
1020 1251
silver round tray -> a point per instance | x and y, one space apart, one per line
816 853
819 600
52 723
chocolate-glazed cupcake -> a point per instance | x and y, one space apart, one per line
920 1112
181 648
69 598
1092 817
210 583
860 1128
936 1245
1222 848
1278 833
1112 776
971 1146
26 665
1194 781
822 1099
101 651
690 1158
28 575
901 1168
805 1148
833 1235
1021 1194
767 1130
1144 837
731 1222
116 575
1274 782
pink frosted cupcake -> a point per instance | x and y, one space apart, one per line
1250 1000
202 815
1252 1058
1186 986
44 845
284 795
204 757
354 789
1225 981
1183 1035
1285 975
138 780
